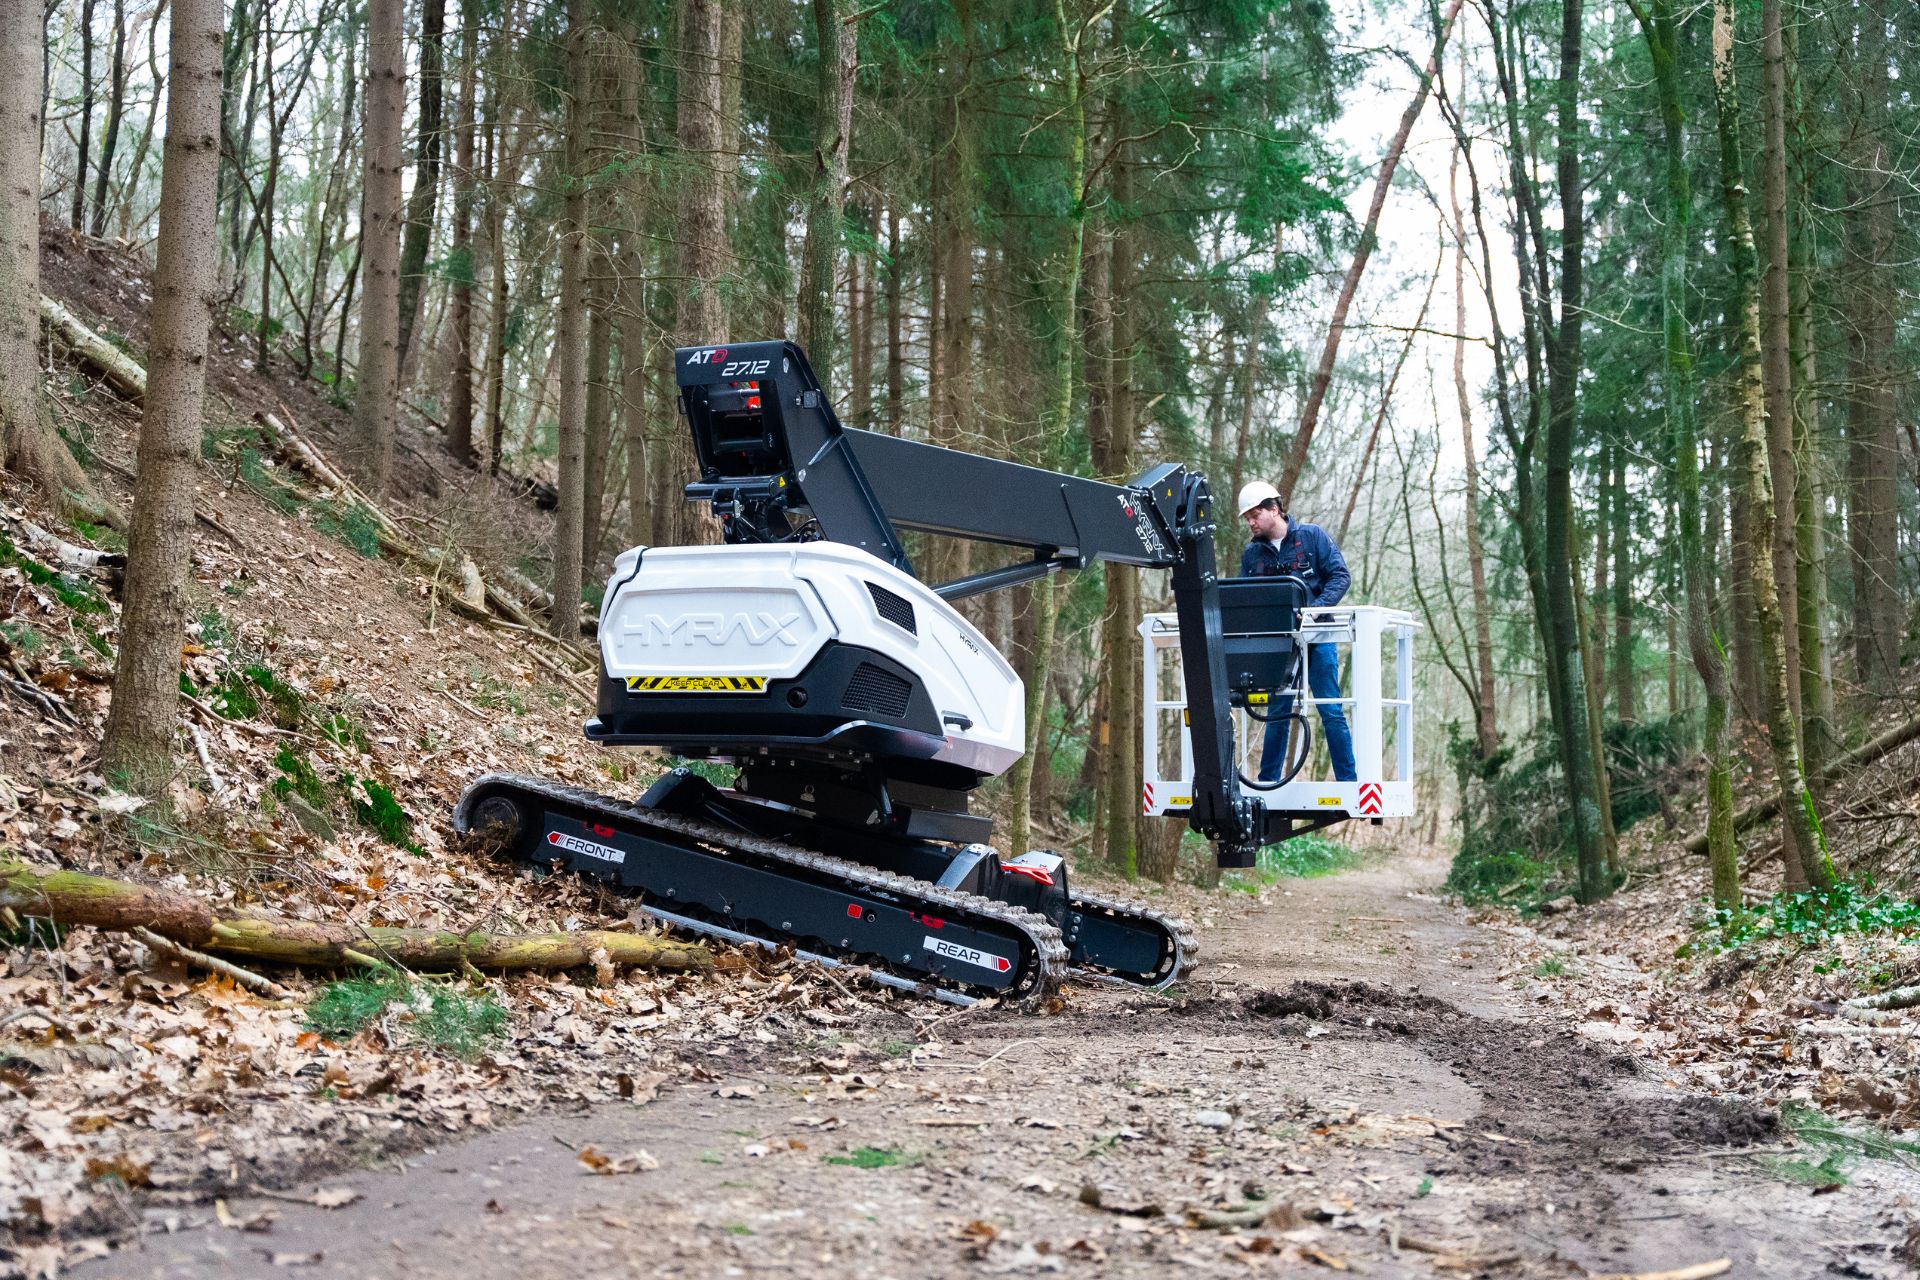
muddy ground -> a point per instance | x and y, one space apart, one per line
1348 1086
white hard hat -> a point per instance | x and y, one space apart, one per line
1255 492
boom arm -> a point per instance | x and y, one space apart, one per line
771 452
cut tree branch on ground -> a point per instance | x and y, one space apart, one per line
71 898
94 351
1866 753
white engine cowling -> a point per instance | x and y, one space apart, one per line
720 628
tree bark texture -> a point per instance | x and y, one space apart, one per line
1776 360
146 685
110 132
1873 445
377 398
83 147
461 321
1563 372
836 46
1362 253
571 336
1805 849
417 237
29 446
75 899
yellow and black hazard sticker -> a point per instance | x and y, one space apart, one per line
696 684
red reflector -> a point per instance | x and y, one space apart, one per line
553 837
1002 963
932 922
753 402
853 909
1040 874
602 831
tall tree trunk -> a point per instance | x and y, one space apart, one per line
1486 724
460 401
1563 372
264 322
376 400
29 446
110 135
1386 395
138 165
1776 358
1873 446
86 116
426 172
1337 327
137 748
1804 847
599 419
837 45
571 336
896 351
1060 409
633 394
1625 696
498 301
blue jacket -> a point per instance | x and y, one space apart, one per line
1308 553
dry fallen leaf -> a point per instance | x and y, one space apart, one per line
335 1197
606 1166
262 1221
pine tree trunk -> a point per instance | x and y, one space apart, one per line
1776 358
376 399
599 419
1563 370
1873 447
137 749
110 135
1625 697
29 446
1059 410
633 392
86 116
426 174
836 46
460 394
896 349
1809 517
1804 849
571 337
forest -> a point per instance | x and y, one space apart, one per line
1585 329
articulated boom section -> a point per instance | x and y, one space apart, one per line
860 709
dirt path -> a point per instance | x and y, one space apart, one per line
1349 1053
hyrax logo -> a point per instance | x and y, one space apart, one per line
711 355
716 629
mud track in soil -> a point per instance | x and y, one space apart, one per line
1347 1052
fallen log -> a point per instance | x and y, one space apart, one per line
332 946
1865 753
115 365
76 898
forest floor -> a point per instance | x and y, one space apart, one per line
1359 1079
1363 1074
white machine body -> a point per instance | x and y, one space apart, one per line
757 613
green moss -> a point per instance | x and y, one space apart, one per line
424 1013
298 778
381 814
71 591
872 1158
353 525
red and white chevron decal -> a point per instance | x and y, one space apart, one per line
1146 800
1369 797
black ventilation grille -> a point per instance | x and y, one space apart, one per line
877 691
893 608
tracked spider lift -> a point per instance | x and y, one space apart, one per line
861 708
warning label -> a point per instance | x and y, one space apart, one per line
696 684
967 955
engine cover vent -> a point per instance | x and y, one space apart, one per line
877 691
895 609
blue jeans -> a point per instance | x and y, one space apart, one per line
1323 678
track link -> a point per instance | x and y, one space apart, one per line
1183 947
1045 953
